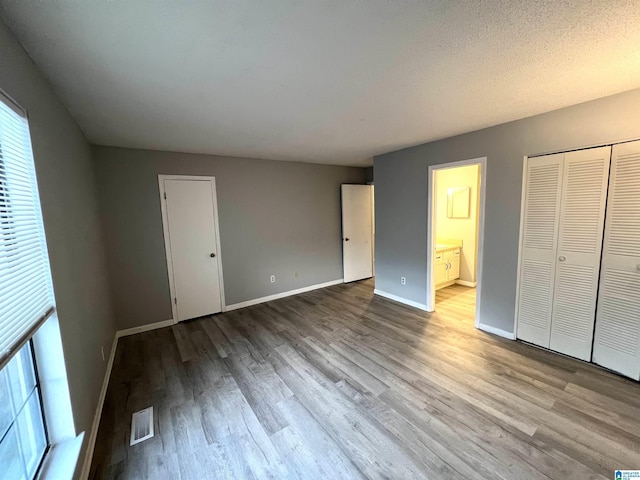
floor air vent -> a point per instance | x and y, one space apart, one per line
141 425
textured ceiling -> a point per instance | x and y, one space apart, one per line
326 81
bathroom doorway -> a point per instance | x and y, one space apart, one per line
454 240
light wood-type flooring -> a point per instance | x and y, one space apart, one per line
341 384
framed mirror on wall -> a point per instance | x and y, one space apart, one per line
458 202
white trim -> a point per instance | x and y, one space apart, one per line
276 296
91 444
431 284
13 104
398 299
144 328
583 147
216 224
167 243
496 331
54 384
61 461
523 197
445 284
465 283
431 290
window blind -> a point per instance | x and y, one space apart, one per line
26 293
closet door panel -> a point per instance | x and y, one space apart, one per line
538 248
581 226
617 335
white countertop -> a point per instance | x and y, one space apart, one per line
443 247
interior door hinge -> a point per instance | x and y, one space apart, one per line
165 195
175 300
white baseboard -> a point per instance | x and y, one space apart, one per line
62 458
276 296
445 285
396 298
465 283
144 328
91 441
153 326
497 331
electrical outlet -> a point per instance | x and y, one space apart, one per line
403 280
102 349
273 279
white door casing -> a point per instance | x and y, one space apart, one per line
431 236
538 248
193 246
357 253
581 226
617 335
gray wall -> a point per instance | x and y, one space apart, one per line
401 194
66 182
275 218
368 174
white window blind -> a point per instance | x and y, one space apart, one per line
26 294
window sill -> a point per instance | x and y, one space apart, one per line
61 460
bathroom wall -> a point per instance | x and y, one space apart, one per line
465 229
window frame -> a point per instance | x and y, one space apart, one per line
63 440
41 407
14 424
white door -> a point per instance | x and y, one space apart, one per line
538 248
617 338
581 225
192 247
357 253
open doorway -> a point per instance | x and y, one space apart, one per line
454 240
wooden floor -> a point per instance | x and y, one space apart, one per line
339 384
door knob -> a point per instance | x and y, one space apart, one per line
346 239
212 255
562 258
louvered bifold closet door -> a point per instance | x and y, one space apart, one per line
584 195
539 235
617 338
